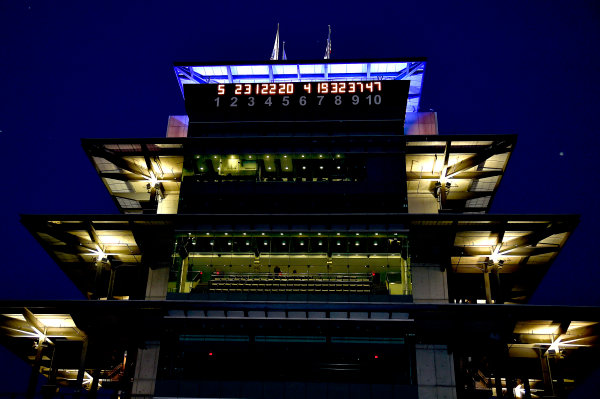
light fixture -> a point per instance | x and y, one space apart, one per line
212 243
286 168
262 234
249 156
339 243
247 242
304 168
301 242
320 242
219 168
320 155
226 233
357 234
244 233
201 168
357 243
302 155
283 242
215 157
376 234
265 243
267 157
228 242
269 168
285 156
375 243
207 233
299 234
339 167
318 234
338 234
320 167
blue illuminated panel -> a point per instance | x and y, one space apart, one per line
307 71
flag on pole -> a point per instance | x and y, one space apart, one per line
328 48
275 53
283 56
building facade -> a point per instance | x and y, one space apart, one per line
303 232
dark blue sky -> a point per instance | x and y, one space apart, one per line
72 69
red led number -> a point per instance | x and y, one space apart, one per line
351 87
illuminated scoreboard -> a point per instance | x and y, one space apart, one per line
297 102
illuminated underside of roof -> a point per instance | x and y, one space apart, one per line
526 244
411 69
117 325
472 164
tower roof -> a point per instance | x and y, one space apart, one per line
411 69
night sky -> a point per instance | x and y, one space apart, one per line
103 70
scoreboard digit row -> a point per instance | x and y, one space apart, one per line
302 100
247 89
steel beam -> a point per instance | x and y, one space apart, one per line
114 158
495 148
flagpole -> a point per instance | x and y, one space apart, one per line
275 53
328 48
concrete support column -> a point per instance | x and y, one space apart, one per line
435 372
144 379
95 380
81 371
169 204
156 287
111 283
498 297
488 287
430 284
548 386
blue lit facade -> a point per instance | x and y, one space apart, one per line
308 71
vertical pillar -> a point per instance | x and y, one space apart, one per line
429 283
35 369
144 379
548 387
156 287
435 372
488 288
81 371
97 280
111 283
498 297
94 388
